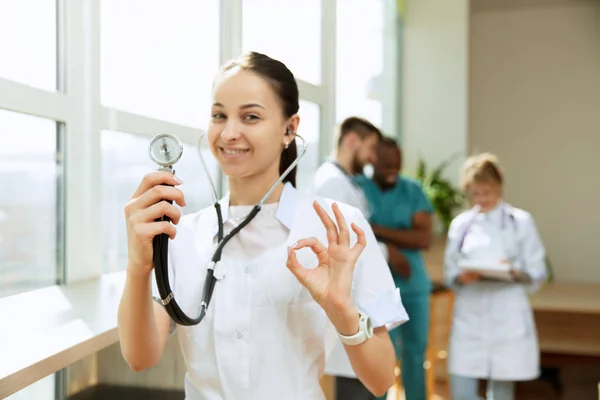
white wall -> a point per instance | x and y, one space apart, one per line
435 81
535 101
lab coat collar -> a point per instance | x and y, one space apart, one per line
285 210
501 211
504 209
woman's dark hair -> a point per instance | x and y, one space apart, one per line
284 84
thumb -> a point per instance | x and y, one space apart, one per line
295 267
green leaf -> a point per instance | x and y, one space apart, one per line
444 197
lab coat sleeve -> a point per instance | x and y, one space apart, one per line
373 290
155 292
451 268
533 255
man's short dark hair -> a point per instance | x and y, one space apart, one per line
387 141
358 125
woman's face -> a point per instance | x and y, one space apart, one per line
247 129
486 195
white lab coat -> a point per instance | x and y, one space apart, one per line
330 182
264 337
493 331
333 183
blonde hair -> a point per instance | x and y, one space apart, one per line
481 168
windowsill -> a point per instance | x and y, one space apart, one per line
48 329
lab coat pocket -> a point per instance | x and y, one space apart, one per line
469 315
309 321
465 326
517 325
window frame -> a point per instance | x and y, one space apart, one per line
76 108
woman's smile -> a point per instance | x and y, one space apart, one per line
231 153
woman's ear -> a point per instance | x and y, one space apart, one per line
292 124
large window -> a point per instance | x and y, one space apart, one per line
131 69
28 42
125 162
360 35
29 201
309 129
288 30
159 60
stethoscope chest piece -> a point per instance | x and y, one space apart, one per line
165 150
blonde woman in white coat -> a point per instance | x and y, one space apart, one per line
493 332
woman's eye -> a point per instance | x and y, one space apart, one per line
218 116
251 117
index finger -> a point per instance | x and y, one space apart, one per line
155 178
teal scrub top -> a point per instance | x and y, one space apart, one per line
394 208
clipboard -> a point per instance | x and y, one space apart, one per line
496 271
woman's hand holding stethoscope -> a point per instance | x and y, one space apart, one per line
330 282
150 202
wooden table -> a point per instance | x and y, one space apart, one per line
567 315
582 298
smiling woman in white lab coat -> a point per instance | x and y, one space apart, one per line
286 282
493 331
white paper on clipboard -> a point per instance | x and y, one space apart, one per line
487 269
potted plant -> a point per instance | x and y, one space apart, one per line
445 198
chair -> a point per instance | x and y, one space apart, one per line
440 320
398 380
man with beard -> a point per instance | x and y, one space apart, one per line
401 217
357 143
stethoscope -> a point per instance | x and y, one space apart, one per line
165 150
506 215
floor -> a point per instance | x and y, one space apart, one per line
579 382
101 392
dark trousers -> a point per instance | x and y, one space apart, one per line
351 389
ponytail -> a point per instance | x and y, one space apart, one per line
287 158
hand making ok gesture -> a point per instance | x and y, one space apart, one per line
331 281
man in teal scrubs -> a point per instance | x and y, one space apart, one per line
401 218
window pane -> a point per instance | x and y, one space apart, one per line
309 129
28 203
159 61
359 58
289 31
125 162
28 42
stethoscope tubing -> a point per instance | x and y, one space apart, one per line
161 242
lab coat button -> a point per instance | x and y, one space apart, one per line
247 270
240 335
